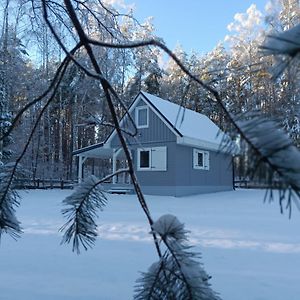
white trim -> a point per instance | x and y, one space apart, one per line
81 161
116 152
157 159
137 110
114 167
187 141
205 159
139 150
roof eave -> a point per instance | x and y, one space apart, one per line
192 142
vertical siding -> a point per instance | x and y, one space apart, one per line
180 177
219 173
180 170
158 178
156 132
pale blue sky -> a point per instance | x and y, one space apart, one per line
195 24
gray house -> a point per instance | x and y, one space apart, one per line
176 152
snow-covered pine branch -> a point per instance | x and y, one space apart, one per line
81 214
9 201
285 46
273 148
178 274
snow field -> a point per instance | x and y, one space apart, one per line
249 249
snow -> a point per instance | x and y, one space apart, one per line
188 122
168 226
249 249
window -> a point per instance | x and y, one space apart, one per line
200 159
142 116
145 159
152 159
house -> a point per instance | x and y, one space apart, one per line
176 151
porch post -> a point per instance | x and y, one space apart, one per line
114 166
116 152
81 161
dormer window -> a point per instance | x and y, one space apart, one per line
142 117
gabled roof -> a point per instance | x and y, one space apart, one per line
190 128
186 122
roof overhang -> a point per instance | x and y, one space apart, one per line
100 150
192 142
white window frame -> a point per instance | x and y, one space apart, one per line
154 158
137 110
139 168
205 155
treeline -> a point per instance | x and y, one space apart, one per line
78 116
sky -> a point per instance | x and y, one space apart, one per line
194 24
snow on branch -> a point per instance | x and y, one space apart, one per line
274 149
9 200
286 44
178 274
169 227
81 214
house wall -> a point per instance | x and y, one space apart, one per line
192 181
156 132
158 178
180 178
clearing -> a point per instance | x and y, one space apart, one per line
249 248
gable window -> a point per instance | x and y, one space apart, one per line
142 116
152 159
200 159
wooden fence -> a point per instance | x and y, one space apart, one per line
26 183
252 184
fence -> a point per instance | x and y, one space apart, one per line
26 183
253 184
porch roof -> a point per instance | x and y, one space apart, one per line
99 150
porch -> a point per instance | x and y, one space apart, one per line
115 160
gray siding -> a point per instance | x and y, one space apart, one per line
180 178
219 173
158 178
156 132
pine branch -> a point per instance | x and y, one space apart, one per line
178 274
273 149
284 43
109 91
285 46
8 220
83 204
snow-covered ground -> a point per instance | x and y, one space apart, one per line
249 249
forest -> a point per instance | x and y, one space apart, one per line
78 116
69 70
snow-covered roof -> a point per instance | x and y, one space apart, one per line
187 122
190 127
